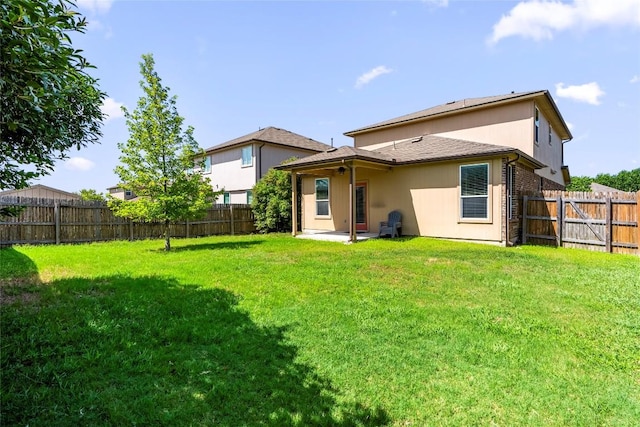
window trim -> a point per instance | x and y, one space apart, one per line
511 179
487 196
242 163
327 200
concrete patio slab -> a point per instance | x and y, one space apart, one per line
333 236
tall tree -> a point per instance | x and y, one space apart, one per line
158 160
48 102
89 194
271 204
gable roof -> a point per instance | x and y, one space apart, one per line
276 136
469 104
17 192
422 149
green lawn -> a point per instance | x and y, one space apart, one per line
276 331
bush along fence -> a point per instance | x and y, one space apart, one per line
46 221
605 222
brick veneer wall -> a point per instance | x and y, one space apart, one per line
526 181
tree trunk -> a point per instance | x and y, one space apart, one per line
167 237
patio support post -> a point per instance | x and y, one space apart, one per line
294 203
353 237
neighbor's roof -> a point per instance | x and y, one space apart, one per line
468 104
39 186
276 136
422 149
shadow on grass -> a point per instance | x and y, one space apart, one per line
18 277
149 351
213 246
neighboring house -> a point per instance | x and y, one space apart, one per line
454 171
599 188
237 165
41 192
120 193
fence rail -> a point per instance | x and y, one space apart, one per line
46 221
607 222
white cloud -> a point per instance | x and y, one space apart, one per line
95 6
371 74
79 164
635 79
589 92
540 20
112 109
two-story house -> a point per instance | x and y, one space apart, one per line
237 165
454 171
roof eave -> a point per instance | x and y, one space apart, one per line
530 95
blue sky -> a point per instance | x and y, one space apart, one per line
327 67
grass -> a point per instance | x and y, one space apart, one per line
271 330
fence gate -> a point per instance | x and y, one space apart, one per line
597 221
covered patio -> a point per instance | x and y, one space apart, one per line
335 236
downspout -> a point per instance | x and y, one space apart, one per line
259 163
507 221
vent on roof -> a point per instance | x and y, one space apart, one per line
418 139
331 150
451 102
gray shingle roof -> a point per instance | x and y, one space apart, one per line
449 108
422 149
277 136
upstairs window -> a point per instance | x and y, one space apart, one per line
537 126
550 133
474 191
247 155
227 198
207 164
322 197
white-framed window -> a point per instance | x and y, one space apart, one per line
322 196
247 155
511 186
128 193
227 198
249 197
537 126
207 164
550 133
474 191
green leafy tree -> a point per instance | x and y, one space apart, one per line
48 103
272 201
91 195
623 181
580 183
158 160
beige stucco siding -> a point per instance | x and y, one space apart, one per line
274 155
427 195
548 153
227 171
509 125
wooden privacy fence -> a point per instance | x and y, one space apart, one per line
606 222
71 221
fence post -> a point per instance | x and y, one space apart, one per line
608 225
232 220
525 200
56 218
96 219
559 219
